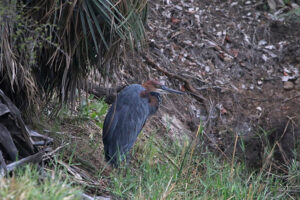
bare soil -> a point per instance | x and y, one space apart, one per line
239 64
242 61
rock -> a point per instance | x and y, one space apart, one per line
288 85
259 83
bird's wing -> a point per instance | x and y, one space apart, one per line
124 121
124 99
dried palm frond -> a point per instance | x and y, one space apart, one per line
58 42
16 139
86 33
16 57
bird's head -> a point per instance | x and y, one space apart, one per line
155 86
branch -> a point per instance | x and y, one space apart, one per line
3 168
187 85
100 92
30 159
88 197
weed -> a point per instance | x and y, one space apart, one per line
94 109
206 176
27 183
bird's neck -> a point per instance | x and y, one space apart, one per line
154 102
154 98
145 94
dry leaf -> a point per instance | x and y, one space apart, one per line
223 111
235 52
175 20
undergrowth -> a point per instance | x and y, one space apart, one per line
173 173
27 183
157 170
94 110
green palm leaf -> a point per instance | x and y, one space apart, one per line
68 39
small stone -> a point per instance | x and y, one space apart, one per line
259 83
288 85
262 42
297 82
259 108
233 4
207 68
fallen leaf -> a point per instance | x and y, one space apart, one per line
235 52
223 111
175 20
182 88
221 55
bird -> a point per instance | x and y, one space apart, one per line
127 116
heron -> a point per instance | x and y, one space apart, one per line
127 116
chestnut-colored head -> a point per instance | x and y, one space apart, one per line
155 86
152 85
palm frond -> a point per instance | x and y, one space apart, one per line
17 56
61 41
91 29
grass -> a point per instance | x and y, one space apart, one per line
157 170
203 176
94 110
67 40
26 183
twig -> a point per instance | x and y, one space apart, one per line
267 160
87 197
250 193
46 140
48 155
194 145
187 84
35 158
218 148
285 129
296 96
231 197
232 162
157 144
167 191
70 170
218 47
297 191
283 154
30 159
109 93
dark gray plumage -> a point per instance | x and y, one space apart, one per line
127 116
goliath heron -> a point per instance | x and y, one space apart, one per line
127 116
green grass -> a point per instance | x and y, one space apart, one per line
26 183
159 170
93 109
183 170
203 176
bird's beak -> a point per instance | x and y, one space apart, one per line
165 90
